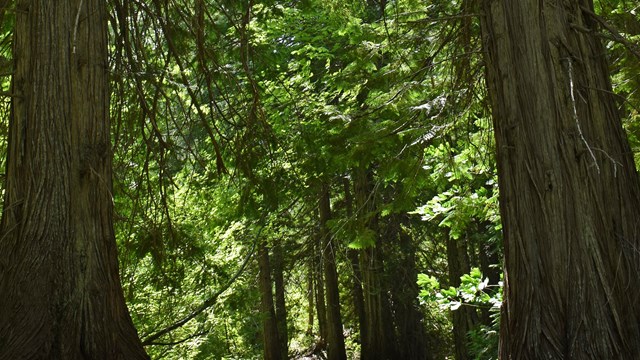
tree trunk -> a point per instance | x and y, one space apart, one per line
321 309
354 259
310 297
61 294
489 261
464 317
408 319
356 292
377 341
269 323
569 189
335 336
280 303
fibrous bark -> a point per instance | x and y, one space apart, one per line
61 294
569 189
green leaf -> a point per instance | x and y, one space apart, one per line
364 239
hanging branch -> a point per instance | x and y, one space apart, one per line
149 340
166 29
615 34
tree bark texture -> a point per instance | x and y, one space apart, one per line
270 337
569 190
335 336
60 290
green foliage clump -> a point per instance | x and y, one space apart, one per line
474 291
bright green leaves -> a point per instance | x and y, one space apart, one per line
622 17
429 285
365 238
474 290
454 209
467 190
296 94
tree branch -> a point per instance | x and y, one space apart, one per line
615 34
207 303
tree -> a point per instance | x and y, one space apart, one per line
277 266
378 341
61 294
335 336
569 189
272 350
411 339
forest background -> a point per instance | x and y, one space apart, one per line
292 178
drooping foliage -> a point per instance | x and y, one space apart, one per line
234 120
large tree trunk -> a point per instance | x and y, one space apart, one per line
335 336
569 189
60 291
